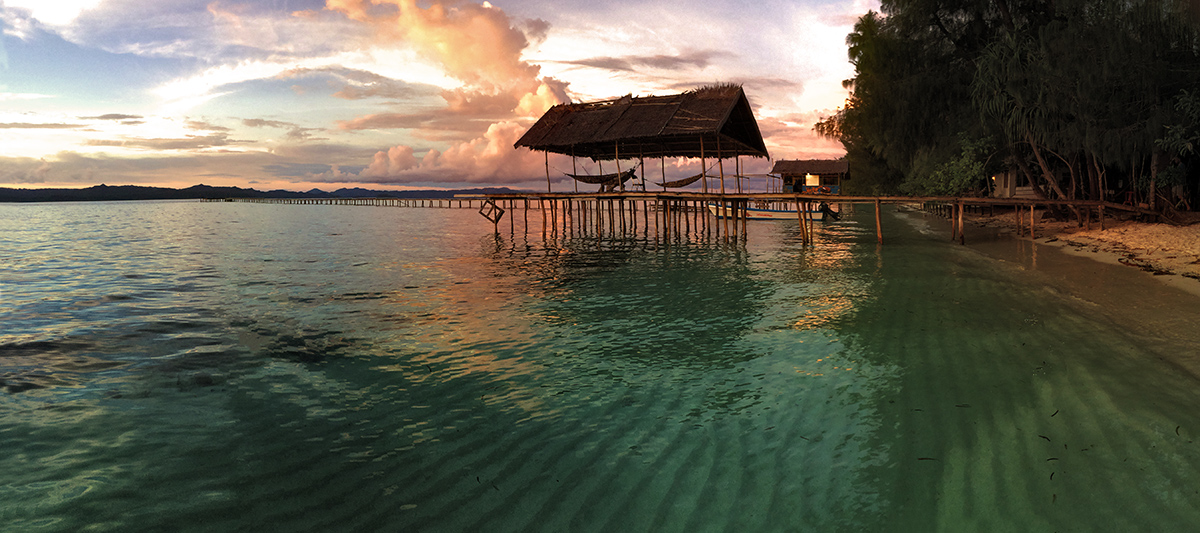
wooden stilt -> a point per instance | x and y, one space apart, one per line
962 238
878 226
1031 222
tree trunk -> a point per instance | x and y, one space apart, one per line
1093 177
1050 179
1153 180
1037 190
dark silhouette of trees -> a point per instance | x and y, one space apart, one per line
1084 98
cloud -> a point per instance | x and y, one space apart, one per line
205 126
22 96
357 84
35 126
295 131
23 170
113 116
490 158
479 45
191 142
691 60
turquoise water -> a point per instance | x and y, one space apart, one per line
186 366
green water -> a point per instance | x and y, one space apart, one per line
222 367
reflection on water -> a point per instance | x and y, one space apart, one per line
219 366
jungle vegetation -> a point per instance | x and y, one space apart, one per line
1083 99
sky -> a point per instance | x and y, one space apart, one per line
384 94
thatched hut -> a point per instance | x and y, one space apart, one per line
714 122
812 175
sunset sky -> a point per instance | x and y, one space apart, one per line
296 94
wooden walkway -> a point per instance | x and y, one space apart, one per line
619 211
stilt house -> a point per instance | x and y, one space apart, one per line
812 175
711 123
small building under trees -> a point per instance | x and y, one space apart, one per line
812 175
712 123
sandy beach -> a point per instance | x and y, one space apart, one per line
1157 248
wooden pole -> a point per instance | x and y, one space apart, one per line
663 159
962 239
878 226
703 168
548 171
953 222
800 219
721 165
1031 223
1100 215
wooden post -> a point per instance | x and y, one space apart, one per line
574 169
663 159
548 171
800 219
703 169
962 239
878 226
953 222
1100 215
721 166
1031 223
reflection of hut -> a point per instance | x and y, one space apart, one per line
713 122
812 175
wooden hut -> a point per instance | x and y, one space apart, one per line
812 175
709 123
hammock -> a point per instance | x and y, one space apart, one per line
681 183
603 178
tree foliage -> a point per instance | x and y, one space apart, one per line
1070 92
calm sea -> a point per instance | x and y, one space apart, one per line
187 366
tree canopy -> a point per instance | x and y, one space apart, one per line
1081 97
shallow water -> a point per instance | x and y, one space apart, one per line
228 366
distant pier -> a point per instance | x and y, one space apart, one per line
620 212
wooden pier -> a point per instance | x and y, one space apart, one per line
620 212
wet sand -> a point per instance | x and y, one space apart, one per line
1145 278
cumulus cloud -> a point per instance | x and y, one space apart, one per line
482 47
490 158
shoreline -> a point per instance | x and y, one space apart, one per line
1168 253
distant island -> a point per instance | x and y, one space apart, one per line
136 192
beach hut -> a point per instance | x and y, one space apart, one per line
709 123
812 175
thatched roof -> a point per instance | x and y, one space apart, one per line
689 124
820 167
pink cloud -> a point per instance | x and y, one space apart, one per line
490 158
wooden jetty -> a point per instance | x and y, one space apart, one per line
621 212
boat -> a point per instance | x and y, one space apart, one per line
760 213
